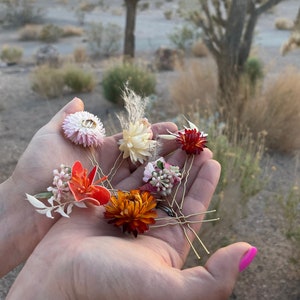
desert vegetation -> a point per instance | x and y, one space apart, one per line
220 85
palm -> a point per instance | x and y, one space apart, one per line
85 257
88 234
49 149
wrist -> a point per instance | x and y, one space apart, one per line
21 227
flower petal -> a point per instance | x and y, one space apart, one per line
35 202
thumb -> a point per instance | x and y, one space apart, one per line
73 106
228 262
221 271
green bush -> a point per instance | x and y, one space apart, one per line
183 37
50 33
11 54
137 79
79 80
254 70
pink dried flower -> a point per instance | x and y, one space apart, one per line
84 128
160 177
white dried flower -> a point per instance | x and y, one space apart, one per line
136 142
84 128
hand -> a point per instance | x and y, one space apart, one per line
21 227
85 258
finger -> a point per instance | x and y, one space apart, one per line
73 106
197 185
196 201
218 277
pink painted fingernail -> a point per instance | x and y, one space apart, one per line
247 258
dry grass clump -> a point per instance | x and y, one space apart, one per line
195 87
52 82
48 82
277 111
70 30
80 55
11 54
79 80
292 43
30 32
199 49
284 24
48 33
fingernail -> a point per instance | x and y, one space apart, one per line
247 258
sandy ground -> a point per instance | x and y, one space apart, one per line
275 272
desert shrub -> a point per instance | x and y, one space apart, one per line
69 30
254 70
284 24
112 39
78 79
29 32
87 6
195 87
20 12
292 43
80 55
238 152
11 54
144 6
168 14
277 111
182 37
50 33
199 49
137 79
48 82
104 40
290 202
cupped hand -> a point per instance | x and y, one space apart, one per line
22 227
84 257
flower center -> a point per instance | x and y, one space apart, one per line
89 123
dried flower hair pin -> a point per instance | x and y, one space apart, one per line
134 211
70 187
84 128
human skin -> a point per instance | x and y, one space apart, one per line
21 227
84 257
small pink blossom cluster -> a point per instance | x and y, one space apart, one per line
160 177
60 183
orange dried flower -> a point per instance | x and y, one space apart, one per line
133 210
82 187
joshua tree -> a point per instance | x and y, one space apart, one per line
129 43
228 29
294 39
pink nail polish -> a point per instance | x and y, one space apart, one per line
247 258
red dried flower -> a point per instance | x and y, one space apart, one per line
133 210
82 187
192 141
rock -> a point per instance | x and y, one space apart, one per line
167 59
47 54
